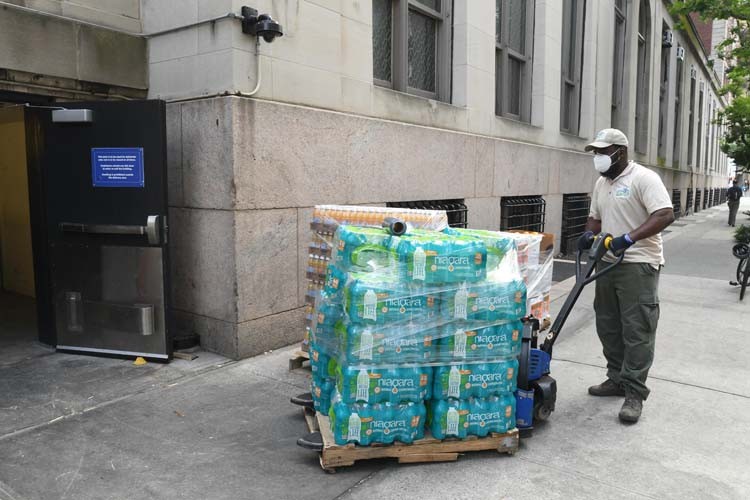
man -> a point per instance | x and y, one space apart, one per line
631 203
734 194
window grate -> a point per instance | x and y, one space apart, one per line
676 206
705 198
525 213
698 204
575 213
716 196
456 209
710 198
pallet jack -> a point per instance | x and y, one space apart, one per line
537 390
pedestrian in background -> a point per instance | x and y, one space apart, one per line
734 194
630 202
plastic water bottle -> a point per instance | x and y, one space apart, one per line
321 390
448 418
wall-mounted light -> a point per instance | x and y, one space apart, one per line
680 53
262 26
667 38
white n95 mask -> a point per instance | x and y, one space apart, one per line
603 162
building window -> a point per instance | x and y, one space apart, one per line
664 94
411 46
678 106
514 28
698 158
691 118
525 213
618 63
707 160
641 104
572 58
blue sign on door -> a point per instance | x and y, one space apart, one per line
117 167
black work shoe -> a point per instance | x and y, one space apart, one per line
607 388
631 409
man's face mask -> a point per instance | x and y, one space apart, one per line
602 163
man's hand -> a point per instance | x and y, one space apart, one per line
585 240
620 244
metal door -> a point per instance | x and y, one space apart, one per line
104 208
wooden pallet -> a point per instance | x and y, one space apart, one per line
424 450
298 359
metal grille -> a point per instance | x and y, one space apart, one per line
698 205
689 200
705 198
456 209
575 212
523 213
676 206
723 195
717 194
711 198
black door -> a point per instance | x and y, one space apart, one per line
102 249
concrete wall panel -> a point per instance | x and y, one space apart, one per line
270 332
266 254
203 267
207 162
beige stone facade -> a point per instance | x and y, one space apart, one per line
245 171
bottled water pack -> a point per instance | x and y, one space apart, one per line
480 380
380 385
365 423
390 344
461 341
472 417
488 302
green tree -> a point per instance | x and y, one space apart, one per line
736 52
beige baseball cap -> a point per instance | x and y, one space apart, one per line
607 137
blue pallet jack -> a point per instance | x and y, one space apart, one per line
537 390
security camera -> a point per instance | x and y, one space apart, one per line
260 25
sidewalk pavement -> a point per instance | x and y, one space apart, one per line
93 428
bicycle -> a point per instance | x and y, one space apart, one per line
742 252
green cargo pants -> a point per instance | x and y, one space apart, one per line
627 312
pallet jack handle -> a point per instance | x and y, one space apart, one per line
584 275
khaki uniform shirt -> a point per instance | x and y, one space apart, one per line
625 203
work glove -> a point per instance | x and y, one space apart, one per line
620 244
585 240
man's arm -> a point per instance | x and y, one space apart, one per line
655 224
593 225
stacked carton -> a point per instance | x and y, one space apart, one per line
417 331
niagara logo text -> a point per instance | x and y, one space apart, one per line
489 339
411 342
396 382
454 261
478 417
388 424
405 302
492 301
485 377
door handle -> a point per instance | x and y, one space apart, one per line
151 230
